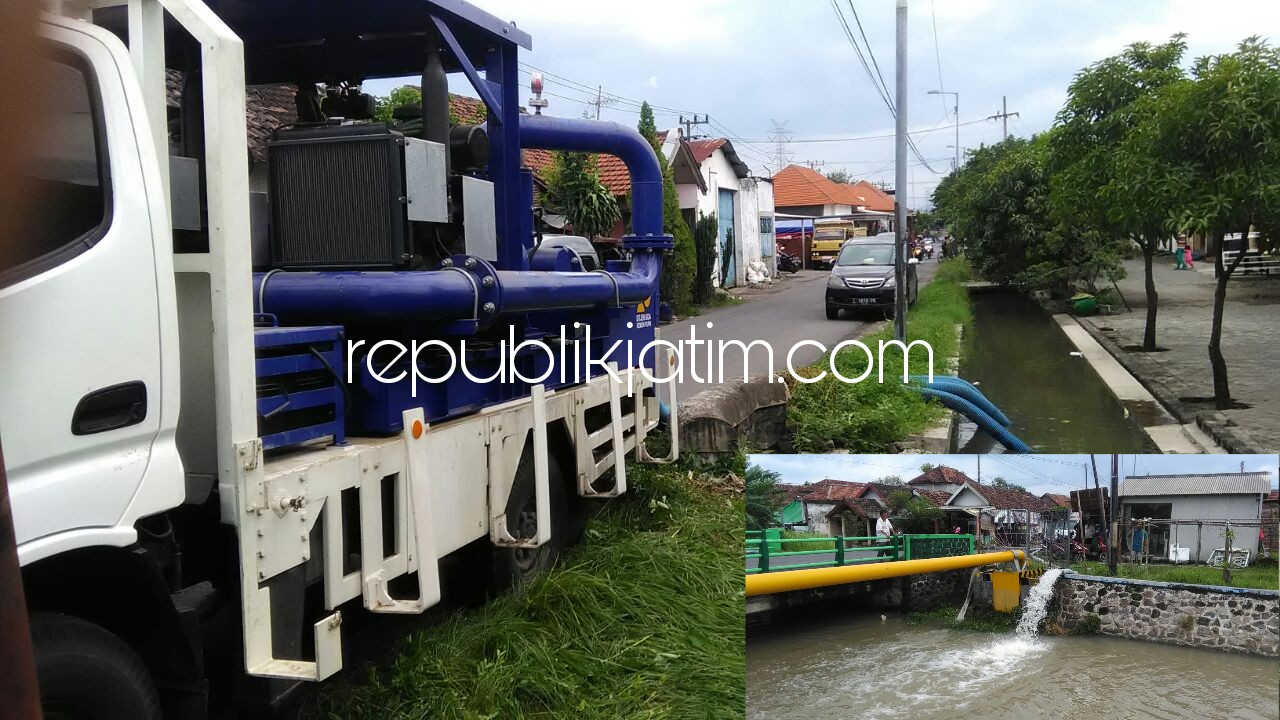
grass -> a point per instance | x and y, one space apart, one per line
869 416
719 299
643 620
1264 575
979 618
805 546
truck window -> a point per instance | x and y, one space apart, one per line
65 173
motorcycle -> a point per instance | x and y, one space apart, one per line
788 263
928 250
1072 550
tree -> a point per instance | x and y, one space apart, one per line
996 202
895 480
913 514
574 188
403 96
1221 131
926 467
675 286
840 176
705 233
764 498
1002 484
1102 108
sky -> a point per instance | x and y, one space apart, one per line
1039 474
751 63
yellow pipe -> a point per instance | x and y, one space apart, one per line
786 580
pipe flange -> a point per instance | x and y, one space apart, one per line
488 287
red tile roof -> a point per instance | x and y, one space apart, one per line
703 149
796 185
862 507
1006 499
876 199
467 110
936 498
614 174
1057 500
940 474
827 490
1275 495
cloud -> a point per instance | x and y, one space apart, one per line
652 82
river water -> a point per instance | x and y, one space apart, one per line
860 667
1023 363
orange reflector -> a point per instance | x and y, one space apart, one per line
417 429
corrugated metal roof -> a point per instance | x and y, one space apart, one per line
1210 484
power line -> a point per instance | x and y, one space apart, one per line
780 139
937 55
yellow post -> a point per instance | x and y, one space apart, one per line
787 580
1006 590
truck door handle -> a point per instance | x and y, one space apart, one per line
110 408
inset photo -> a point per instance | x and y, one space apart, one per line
912 586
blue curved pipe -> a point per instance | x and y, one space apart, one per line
556 133
976 414
966 390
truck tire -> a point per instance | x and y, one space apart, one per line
87 673
513 566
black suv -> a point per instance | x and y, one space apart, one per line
862 278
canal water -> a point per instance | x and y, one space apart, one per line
1022 361
862 667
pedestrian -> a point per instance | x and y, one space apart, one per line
1179 254
1187 260
884 533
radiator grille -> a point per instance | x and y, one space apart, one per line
335 198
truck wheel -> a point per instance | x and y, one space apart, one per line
833 312
86 673
512 566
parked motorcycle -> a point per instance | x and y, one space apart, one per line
1070 549
788 263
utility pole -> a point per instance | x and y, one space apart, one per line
689 125
900 180
601 100
17 661
1114 546
814 164
1002 116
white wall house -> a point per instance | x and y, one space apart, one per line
1209 500
711 178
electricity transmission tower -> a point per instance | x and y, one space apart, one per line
779 137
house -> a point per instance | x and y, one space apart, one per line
711 177
941 478
839 507
801 191
1056 500
1005 513
1203 503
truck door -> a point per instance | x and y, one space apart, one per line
83 416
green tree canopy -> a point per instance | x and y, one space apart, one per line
764 497
1104 103
574 188
1002 484
840 176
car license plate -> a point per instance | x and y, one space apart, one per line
864 301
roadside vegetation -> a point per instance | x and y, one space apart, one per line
979 618
1261 574
868 417
1143 150
643 620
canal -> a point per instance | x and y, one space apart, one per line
860 666
1023 363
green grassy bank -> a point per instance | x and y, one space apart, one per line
867 417
643 620
1264 575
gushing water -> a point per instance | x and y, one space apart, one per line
1037 605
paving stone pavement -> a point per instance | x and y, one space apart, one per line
1250 343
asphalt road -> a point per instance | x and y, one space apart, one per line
783 316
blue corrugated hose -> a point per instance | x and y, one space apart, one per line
976 414
966 390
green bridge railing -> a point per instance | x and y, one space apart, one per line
765 546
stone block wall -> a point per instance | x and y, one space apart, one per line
1231 619
930 590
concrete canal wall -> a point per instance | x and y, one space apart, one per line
1241 620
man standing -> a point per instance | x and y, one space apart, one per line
884 533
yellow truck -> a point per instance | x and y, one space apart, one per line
829 235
